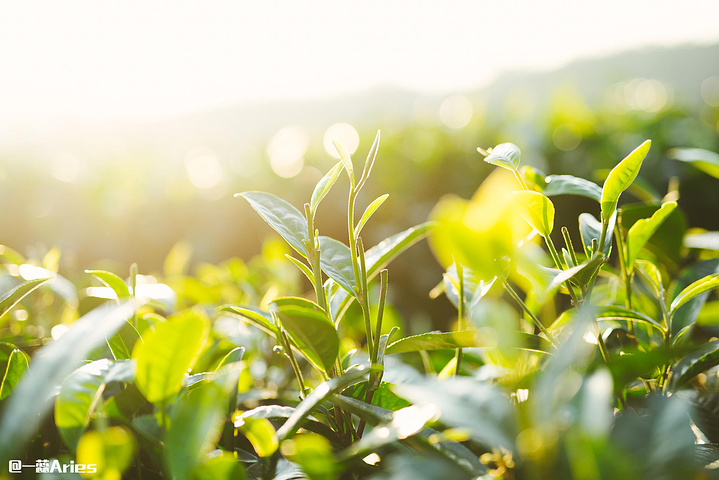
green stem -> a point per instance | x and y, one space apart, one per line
383 276
460 314
534 318
358 273
570 245
560 266
624 267
519 178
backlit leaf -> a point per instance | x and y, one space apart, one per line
642 230
621 177
536 209
324 186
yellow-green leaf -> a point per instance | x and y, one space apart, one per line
621 177
261 434
643 229
167 353
536 209
700 286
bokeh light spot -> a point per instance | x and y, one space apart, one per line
710 90
203 167
344 133
566 137
456 111
66 167
286 151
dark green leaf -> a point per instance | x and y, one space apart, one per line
569 185
700 360
590 228
314 334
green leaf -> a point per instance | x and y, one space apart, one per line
319 395
687 314
11 298
570 185
666 242
220 465
474 288
167 353
435 341
14 365
590 228
12 255
608 313
704 160
642 230
314 454
299 302
505 155
196 422
346 160
303 268
259 318
233 356
32 397
79 398
371 208
700 360
313 333
700 286
261 434
388 249
336 262
621 177
282 217
704 240
122 342
111 280
536 209
369 162
324 186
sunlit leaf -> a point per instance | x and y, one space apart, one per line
197 420
259 318
11 298
371 208
570 185
621 177
702 285
314 334
336 262
282 217
505 155
536 209
314 454
435 341
111 280
642 230
324 186
13 365
122 342
111 451
704 160
167 353
346 160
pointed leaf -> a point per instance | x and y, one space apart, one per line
13 368
505 155
166 354
642 230
11 298
303 268
111 280
700 286
621 177
346 160
324 186
369 162
371 208
122 342
282 217
336 262
536 209
388 249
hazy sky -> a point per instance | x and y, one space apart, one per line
101 60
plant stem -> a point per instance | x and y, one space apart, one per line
361 294
534 318
560 266
460 314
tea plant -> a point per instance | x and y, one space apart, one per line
585 352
